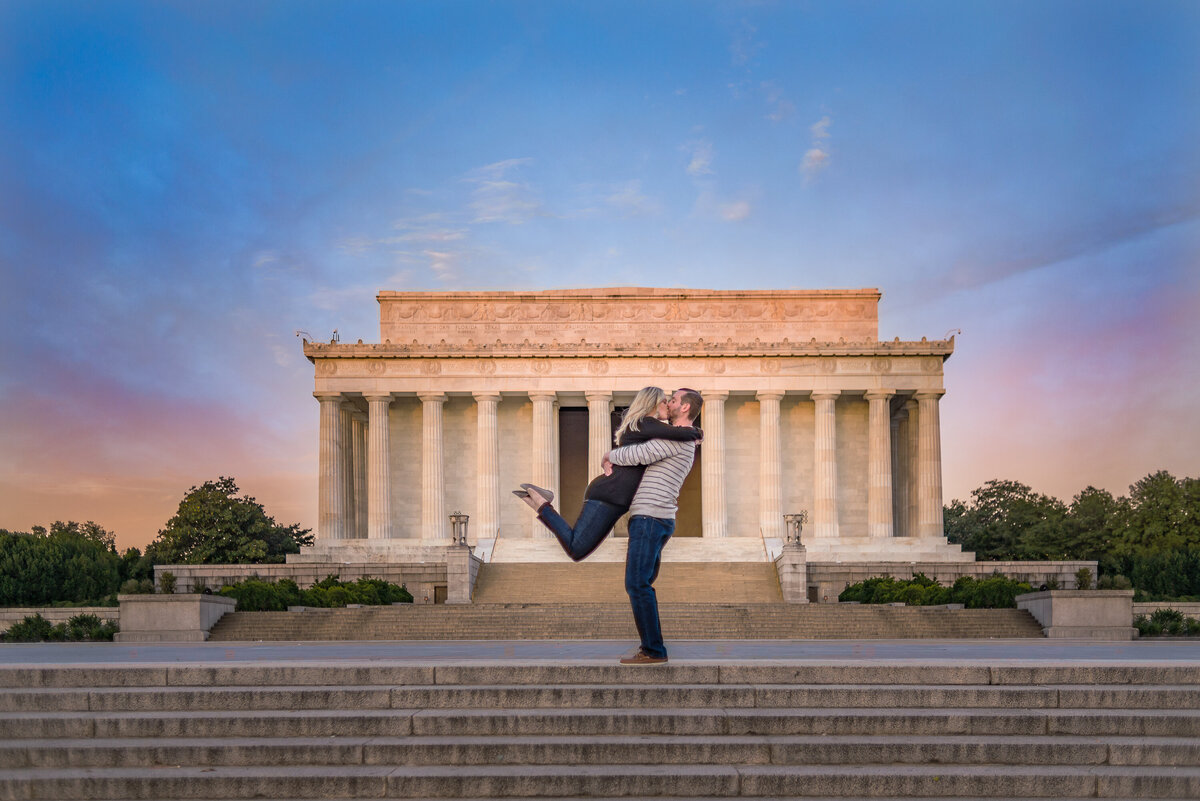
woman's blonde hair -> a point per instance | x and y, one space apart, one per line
645 403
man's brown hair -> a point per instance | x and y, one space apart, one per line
693 400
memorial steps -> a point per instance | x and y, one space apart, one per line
593 731
613 621
604 582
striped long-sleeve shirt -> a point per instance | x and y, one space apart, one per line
667 465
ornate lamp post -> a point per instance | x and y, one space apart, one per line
795 524
458 528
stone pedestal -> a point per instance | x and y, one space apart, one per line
170 618
1082 614
461 569
792 565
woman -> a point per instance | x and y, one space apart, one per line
609 496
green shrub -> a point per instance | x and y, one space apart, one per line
166 583
994 592
1165 617
90 628
1169 622
1114 582
256 595
1083 579
80 628
33 628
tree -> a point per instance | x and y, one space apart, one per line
1164 514
1093 520
214 526
70 563
1008 520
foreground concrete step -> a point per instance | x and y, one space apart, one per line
601 750
602 780
567 722
583 696
1108 676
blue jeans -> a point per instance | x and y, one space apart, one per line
647 536
596 519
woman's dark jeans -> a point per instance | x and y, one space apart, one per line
596 519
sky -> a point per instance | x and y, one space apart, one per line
184 185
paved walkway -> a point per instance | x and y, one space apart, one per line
991 652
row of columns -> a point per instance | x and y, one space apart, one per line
904 487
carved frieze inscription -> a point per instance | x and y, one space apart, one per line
596 367
629 318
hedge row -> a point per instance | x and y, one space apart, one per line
994 592
1167 621
80 628
256 595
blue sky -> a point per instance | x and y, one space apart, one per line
184 185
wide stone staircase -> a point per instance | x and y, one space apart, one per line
614 621
604 582
685 730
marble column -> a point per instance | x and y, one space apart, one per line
435 527
486 524
600 439
331 480
358 459
712 465
347 423
929 467
900 472
379 473
545 452
825 474
770 472
911 457
879 464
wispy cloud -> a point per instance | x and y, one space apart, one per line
443 263
498 198
745 45
816 158
701 152
779 108
735 211
629 199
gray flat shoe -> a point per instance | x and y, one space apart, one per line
545 493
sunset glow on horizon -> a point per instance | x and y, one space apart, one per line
184 186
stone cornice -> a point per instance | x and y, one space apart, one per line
628 292
526 349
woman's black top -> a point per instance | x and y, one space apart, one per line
618 489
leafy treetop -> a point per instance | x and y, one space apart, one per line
215 526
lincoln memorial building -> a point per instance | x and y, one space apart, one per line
467 394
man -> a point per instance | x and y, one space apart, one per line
652 519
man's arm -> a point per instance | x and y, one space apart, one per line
648 452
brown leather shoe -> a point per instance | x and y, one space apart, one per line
643 658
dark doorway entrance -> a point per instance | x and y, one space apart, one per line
572 460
